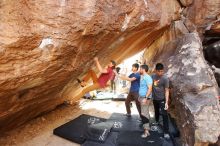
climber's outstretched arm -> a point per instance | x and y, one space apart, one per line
127 78
99 66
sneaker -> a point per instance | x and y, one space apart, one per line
166 136
78 80
154 128
139 120
144 135
128 115
155 123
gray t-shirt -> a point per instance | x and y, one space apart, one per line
159 85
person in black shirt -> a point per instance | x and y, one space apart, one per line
160 94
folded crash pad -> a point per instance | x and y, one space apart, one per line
98 132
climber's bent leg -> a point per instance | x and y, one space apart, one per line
86 90
91 74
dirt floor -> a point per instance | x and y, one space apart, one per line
39 131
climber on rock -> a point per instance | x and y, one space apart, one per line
98 82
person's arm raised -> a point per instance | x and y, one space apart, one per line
127 78
99 66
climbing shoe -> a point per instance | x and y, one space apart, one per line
82 83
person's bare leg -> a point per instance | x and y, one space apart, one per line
91 74
86 90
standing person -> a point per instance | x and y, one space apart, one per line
113 86
124 73
98 82
161 97
144 98
117 81
133 94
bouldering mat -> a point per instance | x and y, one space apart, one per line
75 129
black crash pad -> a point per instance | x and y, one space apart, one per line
124 123
75 129
111 140
98 132
134 139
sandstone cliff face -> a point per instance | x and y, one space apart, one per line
45 45
194 85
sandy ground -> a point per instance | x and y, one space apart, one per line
39 131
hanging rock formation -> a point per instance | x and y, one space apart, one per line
45 45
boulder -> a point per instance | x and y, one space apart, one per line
186 2
203 13
194 87
45 45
